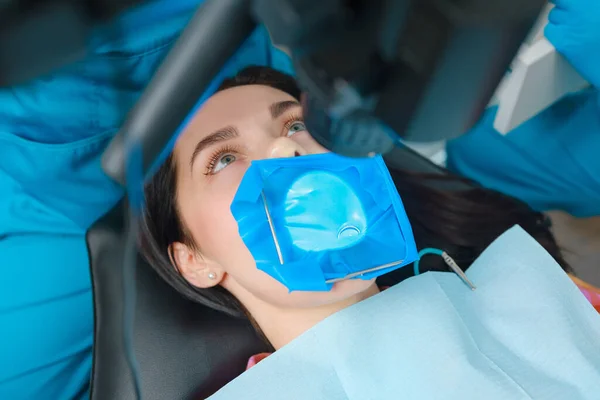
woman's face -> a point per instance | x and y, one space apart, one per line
233 128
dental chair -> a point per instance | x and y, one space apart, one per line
183 350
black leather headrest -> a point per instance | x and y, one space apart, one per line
183 350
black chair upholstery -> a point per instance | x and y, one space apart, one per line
183 350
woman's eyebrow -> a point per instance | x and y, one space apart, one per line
223 134
279 108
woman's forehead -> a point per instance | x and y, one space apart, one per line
229 107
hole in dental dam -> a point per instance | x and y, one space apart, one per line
348 231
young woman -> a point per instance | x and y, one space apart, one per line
190 237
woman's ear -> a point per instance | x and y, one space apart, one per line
194 268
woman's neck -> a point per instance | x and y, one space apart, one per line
282 325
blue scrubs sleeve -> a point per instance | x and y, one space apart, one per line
45 317
551 162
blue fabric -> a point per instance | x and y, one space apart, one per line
551 161
527 332
333 216
52 133
45 317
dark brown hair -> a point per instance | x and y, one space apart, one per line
463 221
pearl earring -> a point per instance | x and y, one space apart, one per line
212 276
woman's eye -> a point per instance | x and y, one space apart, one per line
223 162
295 127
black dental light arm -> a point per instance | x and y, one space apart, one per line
216 31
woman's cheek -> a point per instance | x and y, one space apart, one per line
237 172
226 183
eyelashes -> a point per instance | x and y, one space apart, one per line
217 155
233 150
290 120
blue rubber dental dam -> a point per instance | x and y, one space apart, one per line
315 220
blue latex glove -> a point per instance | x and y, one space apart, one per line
574 30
